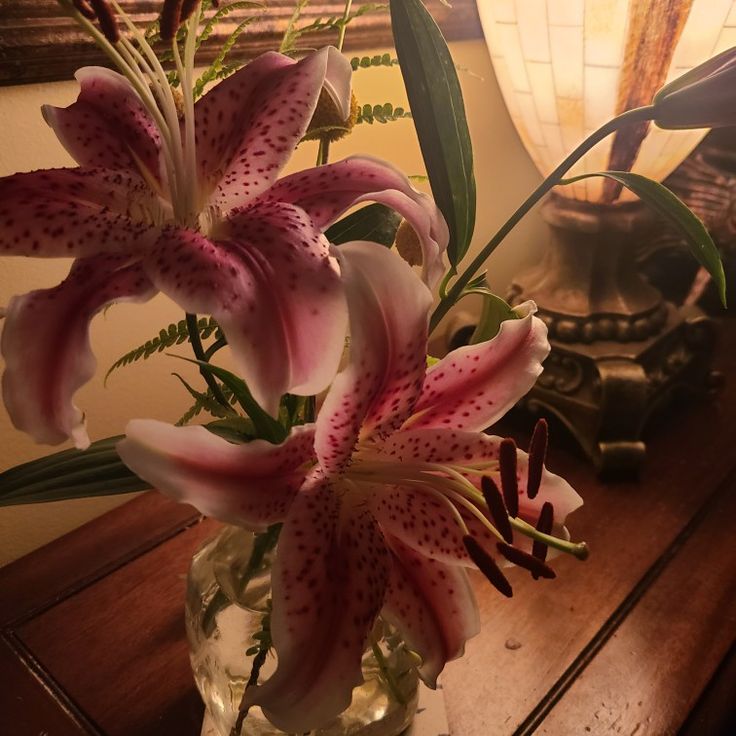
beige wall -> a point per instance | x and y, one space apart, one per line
504 175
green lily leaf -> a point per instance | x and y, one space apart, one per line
495 311
266 426
436 103
674 210
376 223
97 471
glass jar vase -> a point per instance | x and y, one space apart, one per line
228 595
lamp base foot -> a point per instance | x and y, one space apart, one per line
605 392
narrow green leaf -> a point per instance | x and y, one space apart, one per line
495 311
266 426
376 223
97 471
675 211
436 103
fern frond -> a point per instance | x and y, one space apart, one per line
205 401
222 12
365 62
385 113
217 65
174 334
291 34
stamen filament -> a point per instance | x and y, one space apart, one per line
576 549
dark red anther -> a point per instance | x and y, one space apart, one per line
497 508
170 19
523 559
85 9
537 456
509 481
544 524
187 8
106 18
487 566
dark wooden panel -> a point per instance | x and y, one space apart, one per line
119 647
27 707
628 527
57 570
40 44
647 678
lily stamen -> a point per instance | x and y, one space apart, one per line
537 457
509 480
522 559
107 20
487 565
576 549
497 508
544 525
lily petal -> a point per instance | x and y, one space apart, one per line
273 288
108 126
251 485
474 386
76 212
338 80
249 125
45 344
401 512
433 607
326 192
329 581
389 307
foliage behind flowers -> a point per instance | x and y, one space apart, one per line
387 488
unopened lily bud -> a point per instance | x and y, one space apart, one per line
704 97
328 121
408 245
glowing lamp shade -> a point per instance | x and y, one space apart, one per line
566 66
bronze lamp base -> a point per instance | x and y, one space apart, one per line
619 350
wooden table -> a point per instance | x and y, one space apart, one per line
636 641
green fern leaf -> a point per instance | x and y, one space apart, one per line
385 113
174 334
366 62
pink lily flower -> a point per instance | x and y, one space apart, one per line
188 203
382 499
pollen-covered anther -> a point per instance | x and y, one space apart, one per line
83 7
544 525
497 508
487 565
327 122
523 559
106 18
408 244
170 19
537 457
509 480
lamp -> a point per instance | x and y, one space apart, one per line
564 68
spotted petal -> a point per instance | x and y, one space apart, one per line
388 306
403 512
76 212
329 581
273 288
433 607
326 192
108 126
249 125
45 344
251 485
474 386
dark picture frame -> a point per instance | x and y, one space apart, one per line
39 43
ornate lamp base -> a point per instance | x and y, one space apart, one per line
619 351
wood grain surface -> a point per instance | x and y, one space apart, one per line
634 641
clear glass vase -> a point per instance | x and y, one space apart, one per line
223 614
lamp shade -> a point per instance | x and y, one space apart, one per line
565 67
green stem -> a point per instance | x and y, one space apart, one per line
199 353
212 349
343 27
630 116
387 675
323 152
